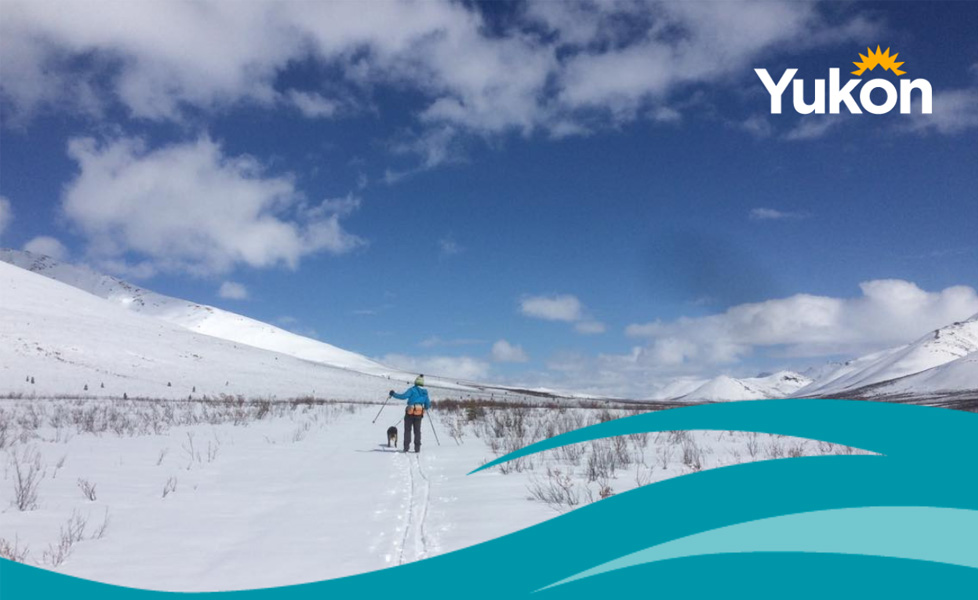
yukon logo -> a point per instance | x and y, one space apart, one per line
842 94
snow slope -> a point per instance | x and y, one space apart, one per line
778 385
937 348
66 339
196 317
958 375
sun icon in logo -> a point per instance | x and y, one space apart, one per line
883 59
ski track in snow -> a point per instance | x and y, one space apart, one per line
418 489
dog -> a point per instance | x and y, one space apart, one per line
392 436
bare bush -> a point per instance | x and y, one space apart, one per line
301 431
557 490
518 465
190 451
602 462
58 465
6 425
170 486
456 428
664 454
775 449
100 531
212 449
28 473
87 488
752 445
623 455
692 455
571 453
797 449
72 531
13 551
643 475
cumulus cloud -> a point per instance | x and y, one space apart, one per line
449 367
503 351
552 308
561 307
561 68
6 214
233 291
888 312
47 246
191 208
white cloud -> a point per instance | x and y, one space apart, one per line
564 68
953 111
48 246
313 105
449 367
503 351
189 207
233 291
888 312
590 327
794 332
552 308
561 307
772 214
6 214
757 125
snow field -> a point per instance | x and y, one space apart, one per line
194 496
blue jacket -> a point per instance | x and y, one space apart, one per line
415 395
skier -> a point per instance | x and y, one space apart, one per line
417 403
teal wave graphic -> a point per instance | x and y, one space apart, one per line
925 463
943 535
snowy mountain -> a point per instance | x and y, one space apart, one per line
115 321
938 348
56 340
195 317
958 375
778 385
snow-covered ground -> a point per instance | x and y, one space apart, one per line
198 496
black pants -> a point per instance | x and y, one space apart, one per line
412 422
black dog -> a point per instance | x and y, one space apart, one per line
391 436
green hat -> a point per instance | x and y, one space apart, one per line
419 380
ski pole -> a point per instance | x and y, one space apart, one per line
432 423
381 409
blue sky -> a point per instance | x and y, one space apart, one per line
563 194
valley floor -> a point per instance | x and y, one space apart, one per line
195 496
304 496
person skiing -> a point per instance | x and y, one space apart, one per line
417 403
